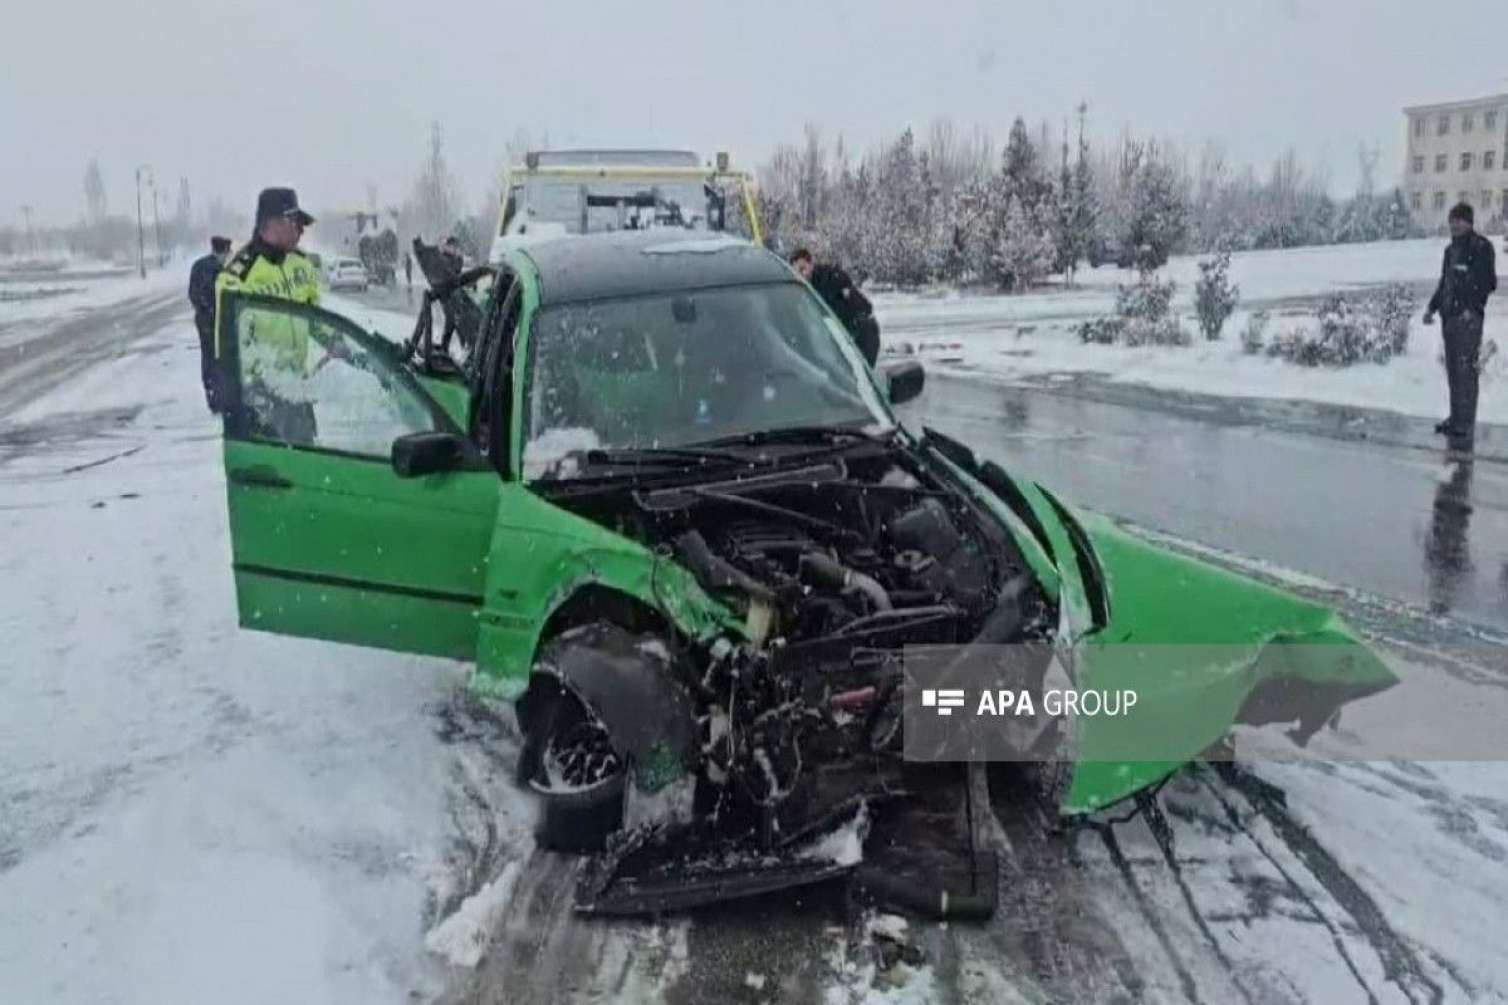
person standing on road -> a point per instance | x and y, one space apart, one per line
275 352
408 269
842 294
201 294
1468 276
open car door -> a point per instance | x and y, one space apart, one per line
329 540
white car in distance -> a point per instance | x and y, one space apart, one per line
346 274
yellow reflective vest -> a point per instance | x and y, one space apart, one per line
257 268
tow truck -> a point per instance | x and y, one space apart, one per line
558 192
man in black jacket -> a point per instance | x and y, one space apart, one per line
1467 278
842 295
201 293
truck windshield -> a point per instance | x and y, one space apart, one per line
672 370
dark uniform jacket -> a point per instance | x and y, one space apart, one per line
201 288
1467 277
841 294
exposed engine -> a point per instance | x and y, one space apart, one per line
836 567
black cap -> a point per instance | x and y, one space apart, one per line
280 202
1461 211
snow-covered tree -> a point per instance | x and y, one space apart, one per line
1158 210
1025 251
431 211
902 217
1215 296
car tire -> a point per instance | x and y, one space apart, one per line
578 818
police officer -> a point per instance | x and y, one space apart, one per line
201 293
274 349
1468 275
842 294
270 262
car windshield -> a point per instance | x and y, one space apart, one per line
676 370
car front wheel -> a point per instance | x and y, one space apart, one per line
568 763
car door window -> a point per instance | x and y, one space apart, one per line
308 378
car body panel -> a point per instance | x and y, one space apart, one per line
341 548
1197 643
540 556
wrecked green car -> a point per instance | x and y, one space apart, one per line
668 511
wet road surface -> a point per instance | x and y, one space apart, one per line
1389 518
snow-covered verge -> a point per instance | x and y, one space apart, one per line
190 811
84 294
1032 337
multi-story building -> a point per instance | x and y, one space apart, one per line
1457 152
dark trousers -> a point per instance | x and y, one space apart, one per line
209 369
866 335
1463 348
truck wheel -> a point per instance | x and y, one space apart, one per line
569 765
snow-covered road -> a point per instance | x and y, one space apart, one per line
192 812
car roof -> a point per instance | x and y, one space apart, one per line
630 263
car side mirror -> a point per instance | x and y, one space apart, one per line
426 453
904 380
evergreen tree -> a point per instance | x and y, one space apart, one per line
1158 211
1083 219
1025 251
1022 173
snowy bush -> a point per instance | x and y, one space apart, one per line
1107 330
1148 299
1255 333
1372 327
1393 309
1215 295
1143 316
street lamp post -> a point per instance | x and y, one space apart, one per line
31 237
157 223
141 237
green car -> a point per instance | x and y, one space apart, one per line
667 510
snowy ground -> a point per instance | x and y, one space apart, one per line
1031 337
189 812
27 302
192 812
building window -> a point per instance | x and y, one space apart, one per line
1490 120
1503 204
1416 200
1442 126
1466 162
1466 123
1440 162
1418 165
1463 196
1419 126
1486 197
1439 200
1489 159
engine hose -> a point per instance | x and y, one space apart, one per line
825 571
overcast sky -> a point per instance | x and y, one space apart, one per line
328 96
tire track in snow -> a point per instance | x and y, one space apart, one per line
1400 964
1153 919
